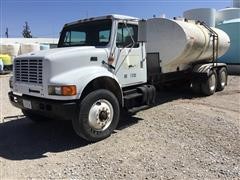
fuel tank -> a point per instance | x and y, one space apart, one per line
180 43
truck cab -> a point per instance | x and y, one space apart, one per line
95 60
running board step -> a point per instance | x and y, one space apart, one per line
129 92
132 96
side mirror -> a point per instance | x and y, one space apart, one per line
142 30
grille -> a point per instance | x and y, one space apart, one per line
29 71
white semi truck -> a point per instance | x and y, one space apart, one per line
105 64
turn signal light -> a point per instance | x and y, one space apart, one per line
69 90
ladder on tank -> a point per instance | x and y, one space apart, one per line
215 41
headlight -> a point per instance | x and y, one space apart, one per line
11 82
68 90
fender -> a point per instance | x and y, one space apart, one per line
82 76
92 73
205 68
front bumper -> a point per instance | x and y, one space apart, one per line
65 110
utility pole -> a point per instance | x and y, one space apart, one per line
6 33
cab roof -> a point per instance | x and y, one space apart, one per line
111 16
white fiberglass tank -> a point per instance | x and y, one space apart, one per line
236 3
227 14
44 46
12 49
30 47
207 15
180 43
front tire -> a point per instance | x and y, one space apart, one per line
98 115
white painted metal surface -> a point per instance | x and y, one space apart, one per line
207 15
181 43
227 14
112 16
66 66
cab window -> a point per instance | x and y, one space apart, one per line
92 33
125 33
75 37
104 36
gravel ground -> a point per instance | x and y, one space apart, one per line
184 137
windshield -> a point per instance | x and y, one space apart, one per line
93 33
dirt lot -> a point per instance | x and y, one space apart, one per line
184 137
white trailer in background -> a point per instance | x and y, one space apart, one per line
109 63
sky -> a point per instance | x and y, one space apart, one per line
47 17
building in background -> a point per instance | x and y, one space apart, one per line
228 20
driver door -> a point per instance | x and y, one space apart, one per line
130 65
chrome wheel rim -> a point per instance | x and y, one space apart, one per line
100 115
212 82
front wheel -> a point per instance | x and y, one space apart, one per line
98 115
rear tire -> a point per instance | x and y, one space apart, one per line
222 79
209 86
196 87
98 116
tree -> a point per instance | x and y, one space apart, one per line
26 31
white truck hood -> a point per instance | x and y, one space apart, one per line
49 54
60 60
64 66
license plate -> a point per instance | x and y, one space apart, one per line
27 104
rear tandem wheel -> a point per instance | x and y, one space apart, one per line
209 86
222 78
